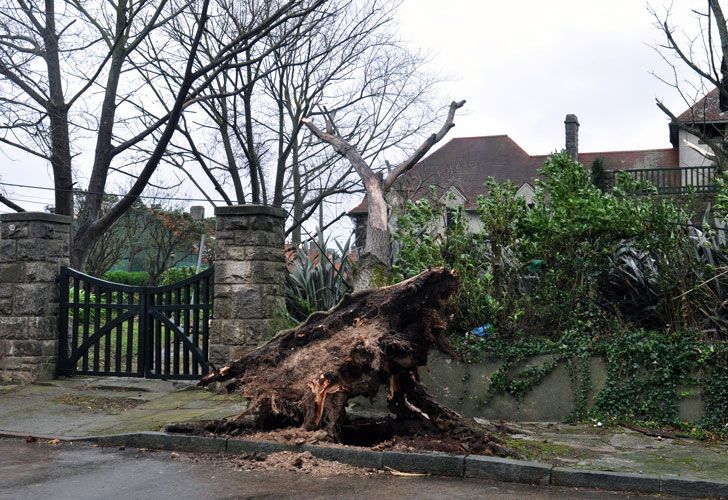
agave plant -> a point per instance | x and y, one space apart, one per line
317 281
631 284
711 293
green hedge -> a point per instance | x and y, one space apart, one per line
175 274
136 278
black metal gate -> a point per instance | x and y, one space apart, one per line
134 331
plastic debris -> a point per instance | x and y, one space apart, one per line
483 330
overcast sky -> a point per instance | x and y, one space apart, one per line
522 66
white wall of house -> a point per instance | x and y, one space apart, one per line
526 192
692 154
474 222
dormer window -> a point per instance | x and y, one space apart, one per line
453 198
526 192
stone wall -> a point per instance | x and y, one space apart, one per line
33 247
249 279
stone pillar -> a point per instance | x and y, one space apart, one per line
33 247
249 279
571 124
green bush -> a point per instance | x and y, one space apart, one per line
430 235
644 371
576 230
134 278
615 274
580 259
175 274
715 390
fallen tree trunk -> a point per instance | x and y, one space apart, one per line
373 338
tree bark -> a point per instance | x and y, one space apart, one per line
58 116
251 150
297 197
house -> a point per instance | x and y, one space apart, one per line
458 170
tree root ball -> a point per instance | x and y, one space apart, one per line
304 376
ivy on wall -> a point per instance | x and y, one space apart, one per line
585 272
645 373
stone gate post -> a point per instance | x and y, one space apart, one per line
33 248
249 279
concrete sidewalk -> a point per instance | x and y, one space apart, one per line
90 406
93 406
619 449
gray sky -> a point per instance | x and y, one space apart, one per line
521 66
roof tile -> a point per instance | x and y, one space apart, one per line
466 163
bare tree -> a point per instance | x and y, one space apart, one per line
123 240
345 59
172 236
378 241
703 53
69 70
109 248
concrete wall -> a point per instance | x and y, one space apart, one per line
33 248
462 386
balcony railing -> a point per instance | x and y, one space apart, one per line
673 181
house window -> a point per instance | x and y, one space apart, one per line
449 218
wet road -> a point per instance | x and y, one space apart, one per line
78 471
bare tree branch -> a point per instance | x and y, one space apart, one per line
10 204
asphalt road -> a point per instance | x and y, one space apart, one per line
78 471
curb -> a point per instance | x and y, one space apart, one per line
436 463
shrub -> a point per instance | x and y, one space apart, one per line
580 259
135 278
430 235
584 273
175 274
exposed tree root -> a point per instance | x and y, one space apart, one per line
304 377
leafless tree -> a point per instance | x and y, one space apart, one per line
69 72
123 240
702 51
345 60
378 241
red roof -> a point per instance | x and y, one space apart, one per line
706 109
466 163
628 160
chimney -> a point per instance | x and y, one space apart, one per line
572 136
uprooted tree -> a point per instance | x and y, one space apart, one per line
373 339
378 240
